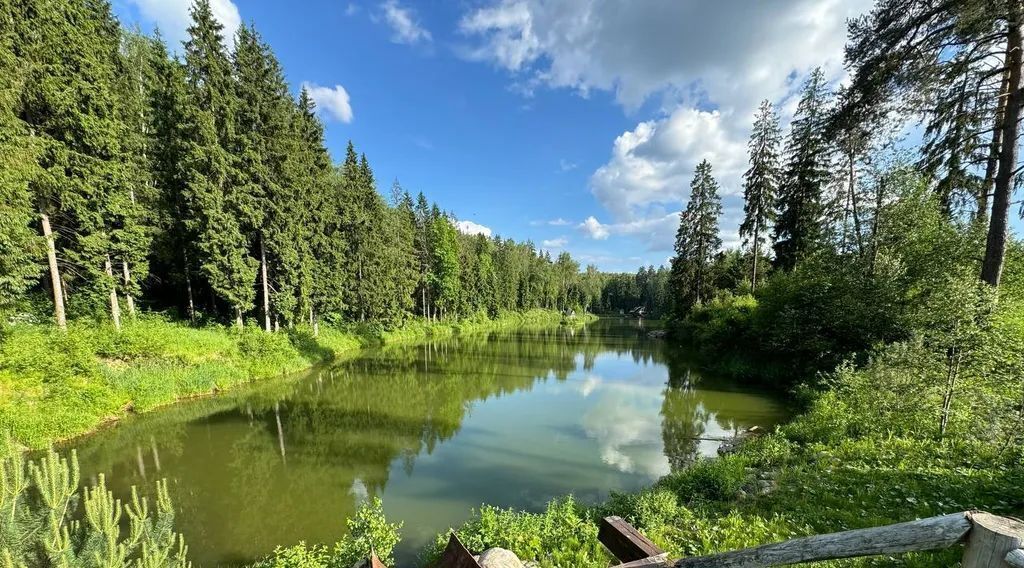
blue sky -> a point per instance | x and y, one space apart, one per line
574 123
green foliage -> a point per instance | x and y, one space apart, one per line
697 241
45 521
368 532
562 535
707 480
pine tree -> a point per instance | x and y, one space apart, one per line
20 247
217 210
263 146
798 223
697 240
760 183
325 269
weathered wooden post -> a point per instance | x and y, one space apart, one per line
994 542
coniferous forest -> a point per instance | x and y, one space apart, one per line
140 180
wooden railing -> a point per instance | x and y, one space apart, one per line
990 542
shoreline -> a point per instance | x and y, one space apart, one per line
105 376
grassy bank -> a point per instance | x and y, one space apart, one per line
56 385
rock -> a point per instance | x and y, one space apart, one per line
657 334
499 558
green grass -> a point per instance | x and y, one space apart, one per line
56 385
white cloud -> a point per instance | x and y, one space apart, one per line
471 228
566 165
559 222
173 19
709 62
557 243
333 102
352 9
652 164
658 232
594 229
406 29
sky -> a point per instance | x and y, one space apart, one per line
576 124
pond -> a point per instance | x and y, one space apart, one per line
511 418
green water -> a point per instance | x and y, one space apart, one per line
512 419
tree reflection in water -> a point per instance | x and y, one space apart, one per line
510 418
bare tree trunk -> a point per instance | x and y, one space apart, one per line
266 286
115 306
853 206
314 322
55 281
981 216
757 237
952 370
238 318
188 288
995 244
127 294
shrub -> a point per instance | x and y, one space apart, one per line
38 507
369 531
560 536
707 480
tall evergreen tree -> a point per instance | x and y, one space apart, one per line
217 209
697 240
20 248
798 223
760 183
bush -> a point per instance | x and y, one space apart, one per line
560 536
707 480
368 532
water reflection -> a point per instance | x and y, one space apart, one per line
510 418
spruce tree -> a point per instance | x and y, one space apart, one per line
217 209
697 240
798 223
20 247
446 271
760 183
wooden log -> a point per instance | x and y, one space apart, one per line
375 562
1015 558
934 533
659 561
455 555
624 541
991 540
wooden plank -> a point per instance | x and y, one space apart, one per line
1015 558
455 555
934 533
375 562
624 541
992 538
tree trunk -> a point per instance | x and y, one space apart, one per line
188 288
313 321
266 286
853 207
995 244
127 294
952 370
238 318
115 306
757 236
55 281
981 216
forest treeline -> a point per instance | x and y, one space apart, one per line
132 177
